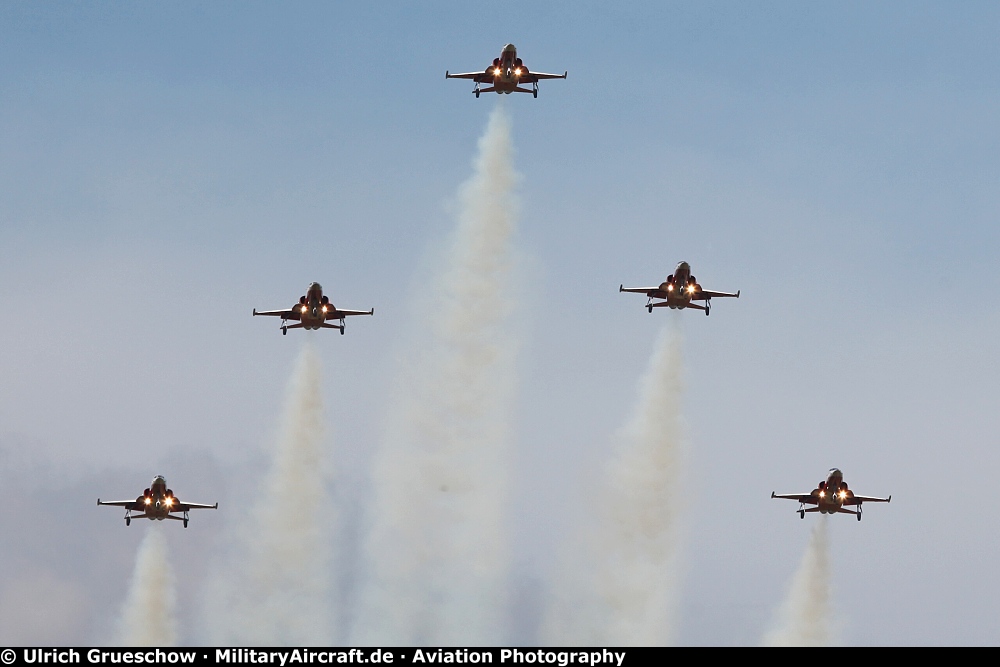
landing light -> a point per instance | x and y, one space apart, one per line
170 501
324 309
303 309
822 494
670 288
149 501
518 71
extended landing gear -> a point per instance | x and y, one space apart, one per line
284 331
128 521
534 90
802 514
649 308
342 326
185 522
708 307
859 511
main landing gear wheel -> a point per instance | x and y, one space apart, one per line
650 309
128 521
341 330
859 516
477 93
802 514
284 331
534 93
185 523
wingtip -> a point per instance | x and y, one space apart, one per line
565 73
621 287
889 499
371 312
216 506
772 494
446 74
737 294
255 311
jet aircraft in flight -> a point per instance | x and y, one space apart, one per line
679 291
312 312
506 75
830 496
157 503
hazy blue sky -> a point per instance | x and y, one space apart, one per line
167 167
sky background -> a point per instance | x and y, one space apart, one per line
167 167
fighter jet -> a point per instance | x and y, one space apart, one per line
312 312
157 503
679 290
830 496
506 75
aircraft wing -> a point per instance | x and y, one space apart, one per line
709 294
292 314
336 313
475 76
131 504
800 497
855 499
538 76
184 507
648 291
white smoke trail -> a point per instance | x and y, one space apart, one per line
805 617
149 614
276 587
437 548
620 587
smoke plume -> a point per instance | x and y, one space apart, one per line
437 547
620 587
276 586
149 614
805 616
